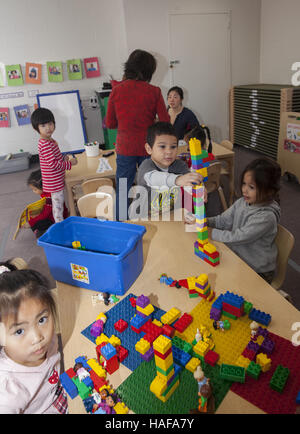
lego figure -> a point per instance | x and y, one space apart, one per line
219 325
206 399
80 371
198 336
254 327
107 405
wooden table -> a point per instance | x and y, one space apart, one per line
169 249
86 169
222 154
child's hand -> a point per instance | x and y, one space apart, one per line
66 157
189 179
73 161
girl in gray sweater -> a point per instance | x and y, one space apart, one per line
249 226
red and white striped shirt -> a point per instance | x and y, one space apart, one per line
53 166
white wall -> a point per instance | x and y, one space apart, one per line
57 30
280 36
147 28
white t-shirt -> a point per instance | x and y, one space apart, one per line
29 390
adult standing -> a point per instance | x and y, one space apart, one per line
181 117
132 107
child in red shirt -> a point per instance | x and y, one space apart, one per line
40 223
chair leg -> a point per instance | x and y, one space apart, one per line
222 198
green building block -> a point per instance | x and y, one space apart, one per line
226 324
247 307
279 378
232 373
181 344
253 370
229 315
83 390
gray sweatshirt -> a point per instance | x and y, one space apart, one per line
250 231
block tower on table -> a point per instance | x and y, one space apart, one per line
200 162
167 379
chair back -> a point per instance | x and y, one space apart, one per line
213 181
92 185
98 204
285 241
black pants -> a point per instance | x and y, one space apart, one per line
41 226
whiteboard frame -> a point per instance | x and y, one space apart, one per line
77 117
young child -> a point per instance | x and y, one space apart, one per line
40 223
53 164
163 173
29 357
249 226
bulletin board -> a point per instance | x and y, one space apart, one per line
288 155
70 132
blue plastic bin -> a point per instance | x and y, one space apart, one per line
113 258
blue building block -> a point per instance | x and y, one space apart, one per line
218 303
260 317
108 351
88 382
138 321
179 356
68 385
233 299
298 398
83 360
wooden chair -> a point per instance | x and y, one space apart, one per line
285 241
98 204
228 145
92 185
213 182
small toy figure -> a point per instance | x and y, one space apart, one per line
198 336
80 371
206 399
105 297
219 325
253 327
107 405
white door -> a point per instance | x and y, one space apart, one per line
200 59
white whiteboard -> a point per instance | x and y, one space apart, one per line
69 124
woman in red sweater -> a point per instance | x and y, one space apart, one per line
132 107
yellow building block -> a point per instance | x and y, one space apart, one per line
243 362
192 364
202 279
164 363
171 391
101 316
120 408
102 338
263 361
201 348
146 310
162 344
166 377
76 244
195 146
191 282
209 342
259 340
142 346
210 248
156 322
170 316
97 368
158 386
114 340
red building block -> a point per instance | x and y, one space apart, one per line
122 353
232 309
112 364
97 381
183 322
211 357
163 356
249 354
120 325
132 302
71 373
168 330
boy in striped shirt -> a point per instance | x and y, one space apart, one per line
53 163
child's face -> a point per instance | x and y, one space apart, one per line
164 150
46 130
249 188
29 335
35 189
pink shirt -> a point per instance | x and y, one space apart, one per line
29 389
53 166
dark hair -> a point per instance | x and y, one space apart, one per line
176 89
200 133
35 179
41 116
18 285
158 129
140 65
266 174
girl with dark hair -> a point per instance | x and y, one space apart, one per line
249 226
29 357
181 117
132 107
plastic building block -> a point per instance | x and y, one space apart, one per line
142 301
97 381
253 370
183 322
68 385
279 378
243 362
122 353
142 346
108 351
211 357
120 408
192 364
83 390
121 325
232 373
260 317
114 341
170 316
264 362
97 368
201 348
112 365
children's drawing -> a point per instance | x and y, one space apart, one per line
4 117
33 73
22 113
54 71
91 66
14 75
74 69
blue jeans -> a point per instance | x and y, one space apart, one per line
126 171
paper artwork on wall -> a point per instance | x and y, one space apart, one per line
22 113
4 117
14 75
74 69
91 67
33 73
54 70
